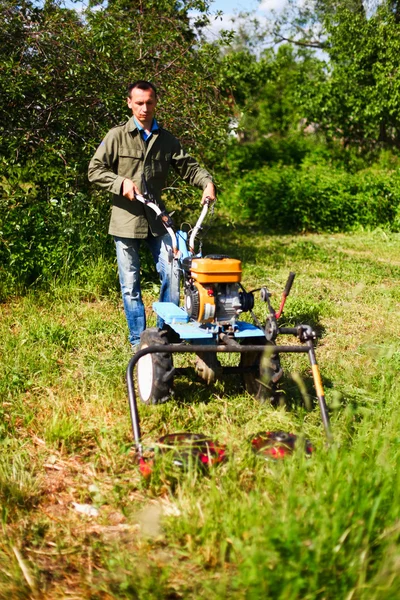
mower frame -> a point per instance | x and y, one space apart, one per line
304 333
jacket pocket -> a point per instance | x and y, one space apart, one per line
130 162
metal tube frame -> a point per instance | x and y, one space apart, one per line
308 348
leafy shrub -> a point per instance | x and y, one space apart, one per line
62 84
321 199
259 195
47 229
316 197
378 198
290 150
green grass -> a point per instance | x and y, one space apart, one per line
321 528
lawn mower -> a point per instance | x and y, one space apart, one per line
208 323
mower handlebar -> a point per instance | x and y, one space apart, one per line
197 227
167 224
165 218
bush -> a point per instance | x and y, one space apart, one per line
62 86
378 198
291 150
47 228
316 197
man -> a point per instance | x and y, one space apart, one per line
132 153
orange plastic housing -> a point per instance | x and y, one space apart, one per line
222 270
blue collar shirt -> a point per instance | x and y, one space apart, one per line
146 136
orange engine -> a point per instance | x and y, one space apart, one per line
216 270
213 291
200 302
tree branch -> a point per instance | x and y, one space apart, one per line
310 44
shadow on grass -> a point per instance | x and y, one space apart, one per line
302 312
238 242
190 389
299 390
295 390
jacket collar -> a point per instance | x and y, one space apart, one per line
132 126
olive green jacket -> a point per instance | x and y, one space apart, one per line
123 154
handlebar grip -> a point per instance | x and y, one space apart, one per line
289 283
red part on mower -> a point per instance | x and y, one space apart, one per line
186 448
146 466
276 445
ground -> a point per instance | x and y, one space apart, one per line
325 527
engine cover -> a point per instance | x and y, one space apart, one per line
214 302
216 269
200 302
228 302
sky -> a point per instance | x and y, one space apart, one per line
232 8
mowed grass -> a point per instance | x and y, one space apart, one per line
325 528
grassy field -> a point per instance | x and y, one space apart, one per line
321 528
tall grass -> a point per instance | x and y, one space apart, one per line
326 527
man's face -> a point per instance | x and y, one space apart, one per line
143 104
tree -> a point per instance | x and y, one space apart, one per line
62 82
354 95
275 109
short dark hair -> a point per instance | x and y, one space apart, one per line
141 84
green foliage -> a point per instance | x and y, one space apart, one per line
357 99
47 228
241 158
287 177
266 90
316 197
277 107
62 82
243 76
352 91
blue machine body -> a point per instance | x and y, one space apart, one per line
194 332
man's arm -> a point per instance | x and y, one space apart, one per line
103 169
209 192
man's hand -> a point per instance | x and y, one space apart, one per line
129 189
208 193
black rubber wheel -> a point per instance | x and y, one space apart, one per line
154 371
262 382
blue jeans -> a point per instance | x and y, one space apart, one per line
128 259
